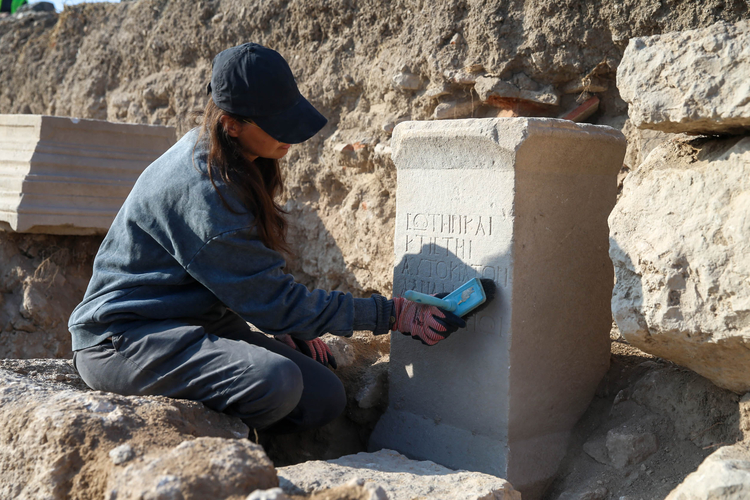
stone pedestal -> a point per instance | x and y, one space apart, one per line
523 202
70 176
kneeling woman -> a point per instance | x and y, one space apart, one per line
195 254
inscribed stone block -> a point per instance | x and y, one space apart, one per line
522 201
69 176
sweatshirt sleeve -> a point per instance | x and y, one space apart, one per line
247 277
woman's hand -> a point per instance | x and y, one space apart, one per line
316 349
429 324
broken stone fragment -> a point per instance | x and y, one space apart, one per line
455 109
407 81
693 81
628 446
121 454
272 494
437 91
583 111
466 76
391 123
497 92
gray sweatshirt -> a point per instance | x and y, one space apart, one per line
176 251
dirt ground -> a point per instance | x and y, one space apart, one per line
689 416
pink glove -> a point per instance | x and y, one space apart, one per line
316 349
429 324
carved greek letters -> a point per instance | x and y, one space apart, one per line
443 251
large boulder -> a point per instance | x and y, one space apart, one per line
724 475
678 240
59 440
691 81
398 477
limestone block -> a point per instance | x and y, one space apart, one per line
679 244
522 201
399 477
694 81
724 475
69 176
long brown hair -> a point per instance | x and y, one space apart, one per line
257 183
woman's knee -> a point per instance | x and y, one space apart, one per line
269 394
285 386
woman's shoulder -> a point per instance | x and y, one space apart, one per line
177 185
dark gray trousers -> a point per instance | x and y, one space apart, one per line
224 365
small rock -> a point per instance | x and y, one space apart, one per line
374 386
341 350
596 448
465 76
455 110
523 82
494 91
407 81
391 123
626 447
272 494
382 149
437 91
343 147
456 39
121 454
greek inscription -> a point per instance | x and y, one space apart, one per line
471 225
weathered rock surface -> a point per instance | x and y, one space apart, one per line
627 446
59 441
42 278
692 81
724 475
399 477
678 240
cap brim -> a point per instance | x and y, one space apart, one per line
293 125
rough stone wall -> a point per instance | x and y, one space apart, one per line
42 278
148 61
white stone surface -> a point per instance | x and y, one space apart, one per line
523 202
679 243
69 176
724 475
399 477
694 81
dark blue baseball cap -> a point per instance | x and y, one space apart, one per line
255 82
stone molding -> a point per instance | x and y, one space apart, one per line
70 176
